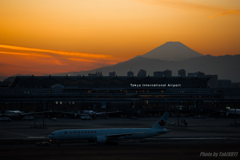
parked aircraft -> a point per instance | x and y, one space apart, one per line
93 113
88 114
13 114
232 112
112 135
16 114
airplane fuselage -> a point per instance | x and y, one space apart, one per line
112 134
128 133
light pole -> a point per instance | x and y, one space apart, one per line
34 117
176 107
44 106
235 112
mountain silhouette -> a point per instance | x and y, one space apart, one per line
172 51
173 56
226 67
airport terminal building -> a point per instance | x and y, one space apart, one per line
135 95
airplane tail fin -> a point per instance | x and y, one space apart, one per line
160 124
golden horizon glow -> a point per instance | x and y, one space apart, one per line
38 37
28 57
65 53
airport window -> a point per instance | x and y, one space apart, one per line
60 102
146 96
56 102
73 102
89 91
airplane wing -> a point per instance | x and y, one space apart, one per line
72 113
20 115
122 134
164 131
32 113
85 114
98 113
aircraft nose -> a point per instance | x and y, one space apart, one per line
51 136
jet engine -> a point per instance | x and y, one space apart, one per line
100 139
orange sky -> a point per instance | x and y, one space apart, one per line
55 36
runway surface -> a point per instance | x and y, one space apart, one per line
161 149
202 139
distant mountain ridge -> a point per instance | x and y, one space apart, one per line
173 56
226 67
172 51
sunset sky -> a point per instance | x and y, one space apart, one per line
55 36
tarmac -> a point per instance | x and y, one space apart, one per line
201 136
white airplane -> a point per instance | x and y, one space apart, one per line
93 113
13 114
231 112
16 114
89 114
111 135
